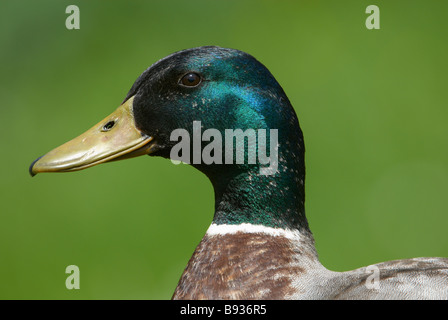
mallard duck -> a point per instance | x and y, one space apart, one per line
259 245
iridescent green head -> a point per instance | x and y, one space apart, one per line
187 106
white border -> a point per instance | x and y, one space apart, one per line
222 229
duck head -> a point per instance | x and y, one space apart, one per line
181 107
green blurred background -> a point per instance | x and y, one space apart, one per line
373 105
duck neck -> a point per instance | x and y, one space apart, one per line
275 200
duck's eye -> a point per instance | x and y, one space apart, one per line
190 79
108 126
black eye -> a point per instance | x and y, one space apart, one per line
190 79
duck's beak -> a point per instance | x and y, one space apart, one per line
114 138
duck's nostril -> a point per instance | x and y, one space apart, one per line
108 126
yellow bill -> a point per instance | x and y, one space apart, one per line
114 138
